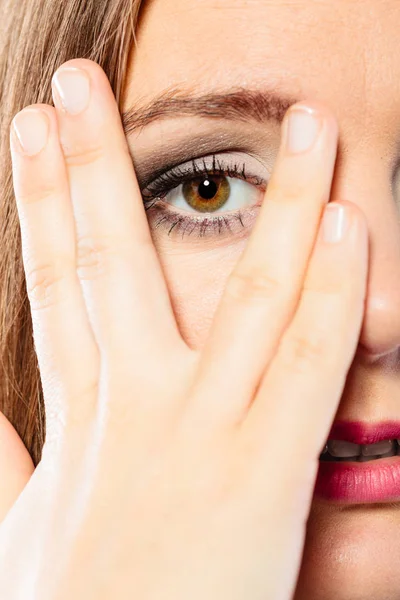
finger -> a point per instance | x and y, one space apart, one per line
262 292
16 466
121 277
300 392
64 342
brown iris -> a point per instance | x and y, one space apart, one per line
206 194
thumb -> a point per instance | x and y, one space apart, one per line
16 466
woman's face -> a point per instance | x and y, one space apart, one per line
224 72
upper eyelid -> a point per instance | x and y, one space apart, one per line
223 158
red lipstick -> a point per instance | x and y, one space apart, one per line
364 433
352 482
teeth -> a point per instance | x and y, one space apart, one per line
342 449
392 452
379 448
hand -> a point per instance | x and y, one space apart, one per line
169 473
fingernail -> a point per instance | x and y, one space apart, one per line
334 222
31 127
303 129
73 88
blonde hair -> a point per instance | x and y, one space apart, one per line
36 37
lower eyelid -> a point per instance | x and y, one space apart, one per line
229 224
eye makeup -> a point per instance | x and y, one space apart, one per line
174 156
200 210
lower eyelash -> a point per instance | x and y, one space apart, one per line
187 225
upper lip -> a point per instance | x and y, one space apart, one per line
360 432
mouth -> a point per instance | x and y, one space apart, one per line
360 463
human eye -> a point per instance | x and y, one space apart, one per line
210 196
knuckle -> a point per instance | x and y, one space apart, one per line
291 194
83 407
82 155
43 284
247 286
304 352
91 256
288 191
324 289
33 195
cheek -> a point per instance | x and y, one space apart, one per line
196 280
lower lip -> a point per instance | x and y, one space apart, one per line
355 482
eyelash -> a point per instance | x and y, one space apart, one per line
172 221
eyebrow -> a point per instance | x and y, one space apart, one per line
239 104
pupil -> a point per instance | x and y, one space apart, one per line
208 189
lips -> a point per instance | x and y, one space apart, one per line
364 433
361 482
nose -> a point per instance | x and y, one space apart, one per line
367 179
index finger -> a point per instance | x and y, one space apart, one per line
262 292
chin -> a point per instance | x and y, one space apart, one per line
351 553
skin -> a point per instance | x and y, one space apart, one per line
136 468
347 553
344 54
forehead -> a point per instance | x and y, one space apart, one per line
343 52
